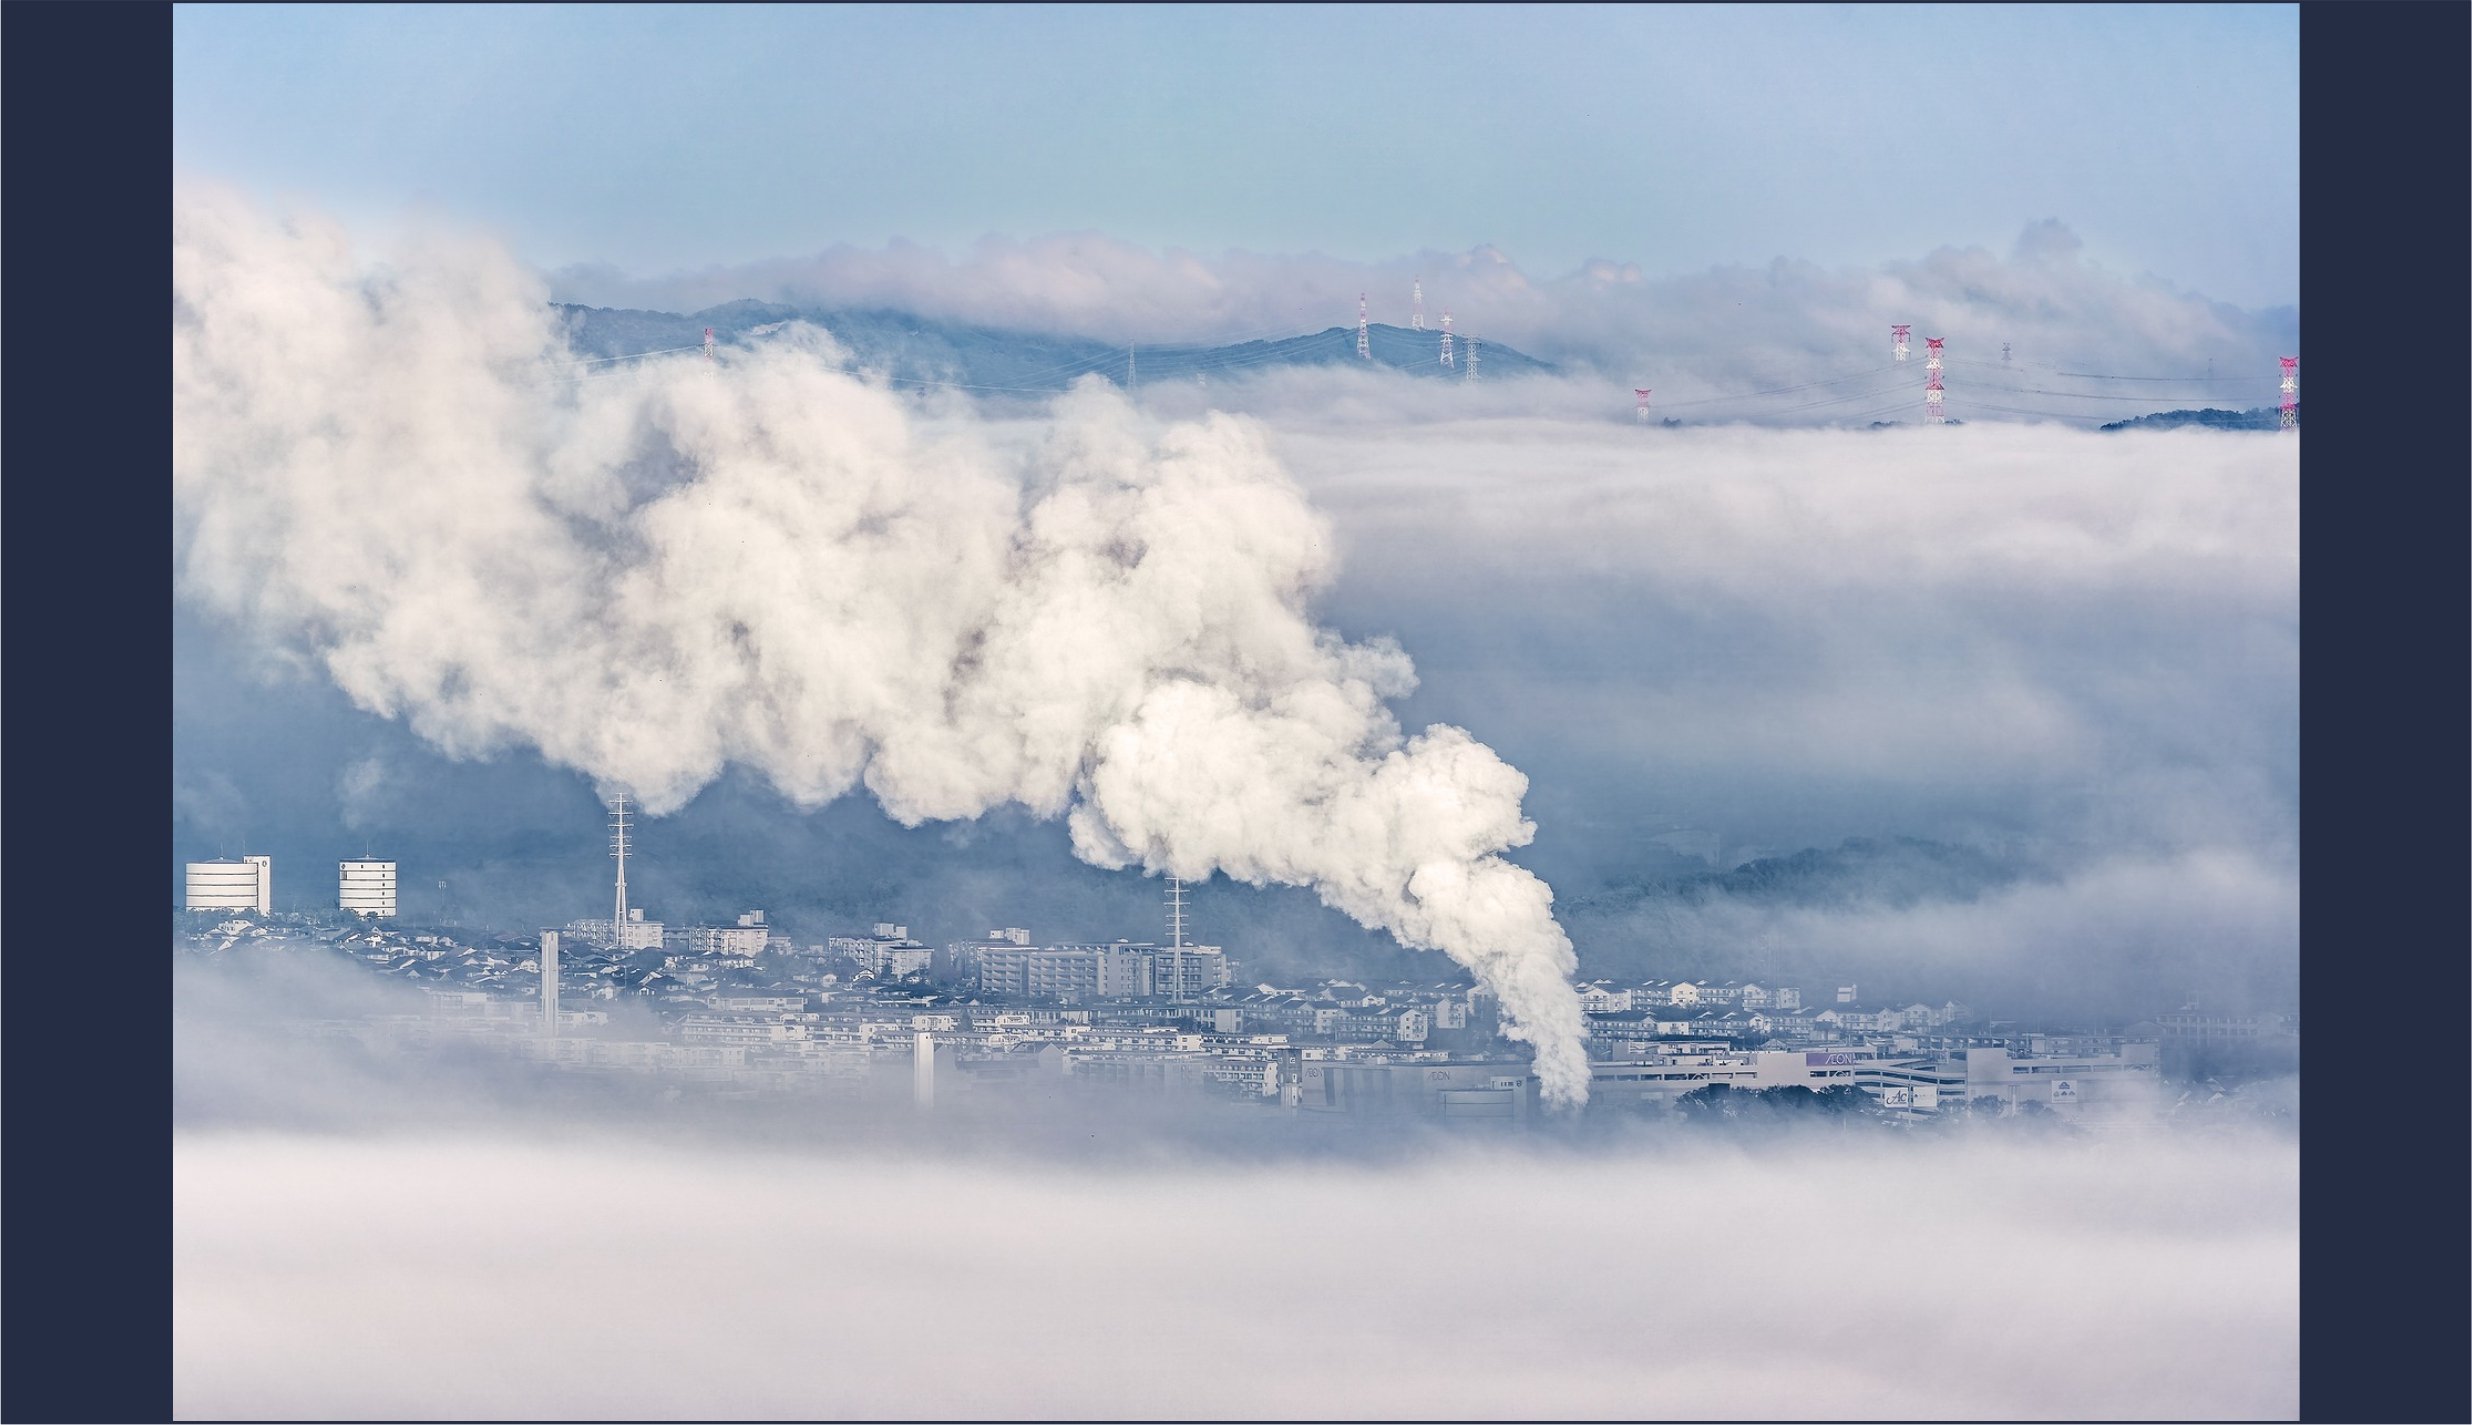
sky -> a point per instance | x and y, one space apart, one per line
1409 676
657 139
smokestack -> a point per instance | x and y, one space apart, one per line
762 606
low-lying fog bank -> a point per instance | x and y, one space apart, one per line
472 1275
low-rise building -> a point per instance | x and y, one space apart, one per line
740 1029
888 953
745 940
2124 1082
636 933
1603 997
1188 971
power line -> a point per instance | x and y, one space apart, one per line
2068 395
1228 355
1781 390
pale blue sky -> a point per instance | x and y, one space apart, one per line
657 138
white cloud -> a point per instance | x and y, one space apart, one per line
2082 645
1688 336
654 574
457 1277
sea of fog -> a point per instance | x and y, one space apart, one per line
481 1275
367 1235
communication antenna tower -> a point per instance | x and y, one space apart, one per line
1897 338
708 356
1933 411
1175 912
1471 356
1640 394
1446 338
1416 313
1364 336
2291 392
618 843
1128 368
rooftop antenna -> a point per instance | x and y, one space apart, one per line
1897 338
1446 338
1416 314
1364 336
1176 912
618 849
1933 411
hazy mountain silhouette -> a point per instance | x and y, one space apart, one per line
921 349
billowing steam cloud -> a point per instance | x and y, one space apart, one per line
654 573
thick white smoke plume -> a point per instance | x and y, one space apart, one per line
650 574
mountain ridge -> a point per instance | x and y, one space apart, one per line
922 350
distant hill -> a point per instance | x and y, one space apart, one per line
1695 924
915 348
2264 418
1895 871
1898 871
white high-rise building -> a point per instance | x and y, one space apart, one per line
367 888
549 983
226 884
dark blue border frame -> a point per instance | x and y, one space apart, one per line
85 151
2386 511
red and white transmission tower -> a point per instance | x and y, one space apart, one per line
1640 394
2291 392
1933 411
1897 338
708 356
1446 338
1416 313
1364 337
